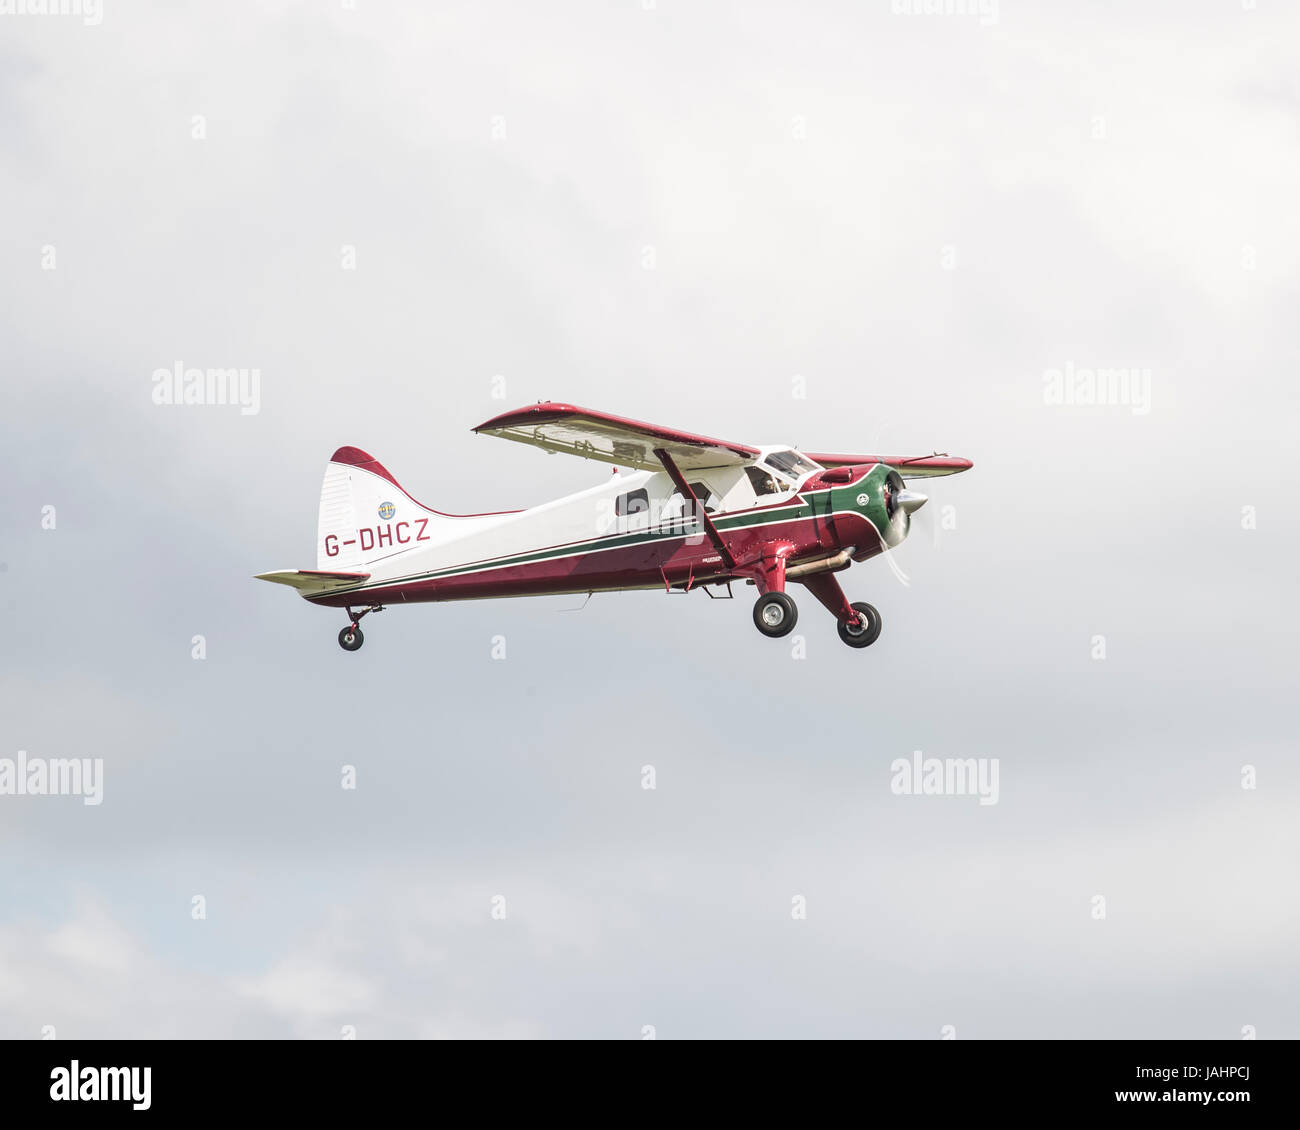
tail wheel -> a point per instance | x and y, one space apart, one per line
775 614
350 638
866 631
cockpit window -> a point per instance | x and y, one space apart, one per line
764 482
790 463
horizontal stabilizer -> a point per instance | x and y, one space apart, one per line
311 582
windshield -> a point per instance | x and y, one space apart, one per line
790 463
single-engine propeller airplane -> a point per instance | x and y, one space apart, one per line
691 512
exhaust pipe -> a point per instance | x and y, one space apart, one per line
824 565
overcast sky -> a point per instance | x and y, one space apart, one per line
691 214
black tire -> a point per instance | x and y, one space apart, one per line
351 639
775 615
866 635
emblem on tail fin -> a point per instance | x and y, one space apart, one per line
387 510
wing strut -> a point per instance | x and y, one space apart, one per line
682 485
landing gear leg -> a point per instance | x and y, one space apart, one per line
859 624
351 638
775 614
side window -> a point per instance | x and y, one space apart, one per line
763 481
704 493
676 505
634 502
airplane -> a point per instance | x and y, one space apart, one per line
690 512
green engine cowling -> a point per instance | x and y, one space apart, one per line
882 498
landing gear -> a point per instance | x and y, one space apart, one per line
775 614
351 638
865 631
858 624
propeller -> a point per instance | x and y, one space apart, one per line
900 504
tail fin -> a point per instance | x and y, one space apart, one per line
366 516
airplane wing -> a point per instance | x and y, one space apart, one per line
612 439
909 466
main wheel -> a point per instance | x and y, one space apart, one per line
775 614
350 638
866 631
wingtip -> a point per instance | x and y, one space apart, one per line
518 416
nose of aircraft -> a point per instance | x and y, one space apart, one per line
911 500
